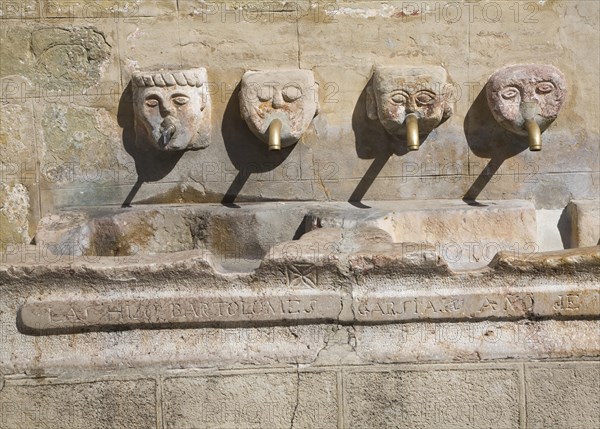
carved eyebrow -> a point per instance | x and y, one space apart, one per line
425 90
154 95
399 91
178 94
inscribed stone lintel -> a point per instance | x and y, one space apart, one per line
308 307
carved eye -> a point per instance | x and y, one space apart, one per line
151 102
180 100
265 93
291 93
399 98
509 93
544 87
425 98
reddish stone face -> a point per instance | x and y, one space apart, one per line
526 91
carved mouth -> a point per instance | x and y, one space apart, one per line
167 129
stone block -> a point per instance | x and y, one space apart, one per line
584 222
273 400
14 214
477 341
70 57
448 397
90 404
464 235
561 395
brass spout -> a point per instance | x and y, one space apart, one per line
275 135
535 135
412 132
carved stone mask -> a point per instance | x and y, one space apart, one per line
172 109
526 91
396 92
290 96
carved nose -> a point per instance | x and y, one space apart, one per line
167 110
411 106
277 100
529 109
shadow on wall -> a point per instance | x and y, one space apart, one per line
487 139
151 166
372 141
565 227
247 153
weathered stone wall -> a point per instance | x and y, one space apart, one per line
382 336
521 353
66 128
508 395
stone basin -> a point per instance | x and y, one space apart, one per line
240 236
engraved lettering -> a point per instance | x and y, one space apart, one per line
569 302
53 317
311 307
488 305
412 301
115 311
177 311
429 306
231 305
378 308
293 309
139 314
390 308
203 309
248 311
271 308
363 309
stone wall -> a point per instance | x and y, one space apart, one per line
66 111
508 395
328 340
379 336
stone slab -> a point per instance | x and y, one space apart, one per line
561 395
446 398
251 400
477 341
73 405
483 304
180 311
585 222
198 310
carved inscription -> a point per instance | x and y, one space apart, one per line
174 311
313 307
567 302
475 305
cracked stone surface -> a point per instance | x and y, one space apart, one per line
277 400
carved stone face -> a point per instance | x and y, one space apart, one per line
291 96
526 91
172 109
396 92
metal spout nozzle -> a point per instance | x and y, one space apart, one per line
275 135
535 135
412 132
